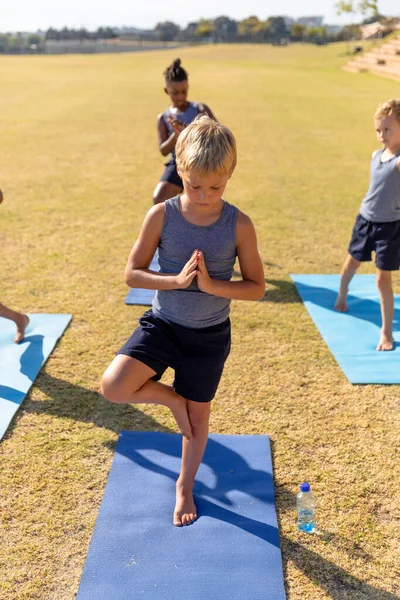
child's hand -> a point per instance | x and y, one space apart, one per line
204 281
176 124
188 273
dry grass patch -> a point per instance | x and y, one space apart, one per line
78 165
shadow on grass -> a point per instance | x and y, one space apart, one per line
336 582
282 292
69 401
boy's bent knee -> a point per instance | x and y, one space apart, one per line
110 390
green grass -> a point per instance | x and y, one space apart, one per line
78 163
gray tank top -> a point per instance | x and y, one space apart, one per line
186 117
179 238
382 201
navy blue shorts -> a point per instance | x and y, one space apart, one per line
171 174
197 355
382 238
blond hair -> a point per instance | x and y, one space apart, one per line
206 147
390 107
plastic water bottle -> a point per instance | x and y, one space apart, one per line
306 509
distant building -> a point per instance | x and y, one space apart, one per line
289 21
311 21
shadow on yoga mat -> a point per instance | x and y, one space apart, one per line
140 295
352 337
20 363
231 552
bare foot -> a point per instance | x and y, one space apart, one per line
341 303
180 412
21 324
185 509
385 342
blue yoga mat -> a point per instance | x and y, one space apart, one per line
352 337
139 295
20 363
231 552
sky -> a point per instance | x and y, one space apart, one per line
31 15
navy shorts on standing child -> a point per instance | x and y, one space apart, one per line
171 174
197 355
382 238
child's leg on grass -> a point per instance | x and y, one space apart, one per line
384 284
348 270
127 380
21 321
192 455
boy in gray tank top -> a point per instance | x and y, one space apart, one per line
198 236
377 227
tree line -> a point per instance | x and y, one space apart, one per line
220 30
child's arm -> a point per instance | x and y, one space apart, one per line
252 285
166 141
137 273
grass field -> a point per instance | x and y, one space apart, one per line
78 163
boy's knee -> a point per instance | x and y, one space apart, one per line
110 389
199 420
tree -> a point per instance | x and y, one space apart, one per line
368 5
52 34
261 31
3 42
167 31
344 7
225 29
277 28
205 28
353 7
34 39
317 34
298 32
247 29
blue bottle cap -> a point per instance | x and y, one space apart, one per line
305 487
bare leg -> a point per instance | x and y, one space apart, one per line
384 283
165 190
192 454
348 270
127 380
20 320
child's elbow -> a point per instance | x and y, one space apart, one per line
129 278
260 291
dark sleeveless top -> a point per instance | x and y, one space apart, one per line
382 201
186 117
179 238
